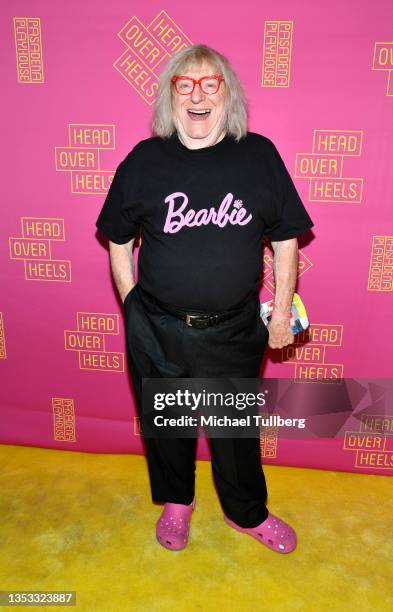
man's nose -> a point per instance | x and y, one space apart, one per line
197 94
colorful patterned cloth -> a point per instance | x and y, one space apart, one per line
299 319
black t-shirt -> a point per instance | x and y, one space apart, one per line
202 215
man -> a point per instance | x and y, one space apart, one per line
204 191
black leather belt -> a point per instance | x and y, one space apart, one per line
202 321
198 319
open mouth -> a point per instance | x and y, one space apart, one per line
198 114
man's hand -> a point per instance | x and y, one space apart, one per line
280 333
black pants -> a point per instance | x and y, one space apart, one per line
161 345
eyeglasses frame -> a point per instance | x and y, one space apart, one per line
175 78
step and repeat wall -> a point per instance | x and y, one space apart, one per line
79 82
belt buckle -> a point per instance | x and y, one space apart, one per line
213 319
189 317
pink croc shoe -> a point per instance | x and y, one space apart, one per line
273 532
173 526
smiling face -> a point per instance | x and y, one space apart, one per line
197 130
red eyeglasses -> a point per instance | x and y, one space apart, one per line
185 85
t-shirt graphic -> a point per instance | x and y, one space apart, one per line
178 216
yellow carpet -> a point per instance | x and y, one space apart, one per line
85 522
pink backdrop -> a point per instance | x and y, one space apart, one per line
79 82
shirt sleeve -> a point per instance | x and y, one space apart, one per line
289 217
118 219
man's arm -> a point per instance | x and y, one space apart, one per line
285 266
122 265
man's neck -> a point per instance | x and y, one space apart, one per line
200 143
